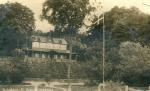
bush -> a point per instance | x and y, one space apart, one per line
12 70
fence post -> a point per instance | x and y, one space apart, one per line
3 89
69 87
99 88
126 88
35 88
149 88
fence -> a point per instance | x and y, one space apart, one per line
28 88
84 88
123 88
73 88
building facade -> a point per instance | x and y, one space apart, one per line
55 49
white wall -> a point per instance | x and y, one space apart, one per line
63 47
49 46
43 45
35 44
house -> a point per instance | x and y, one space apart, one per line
55 49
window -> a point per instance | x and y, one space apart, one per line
55 56
61 57
43 55
36 55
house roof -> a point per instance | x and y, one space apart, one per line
49 40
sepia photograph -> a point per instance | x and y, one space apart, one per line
74 45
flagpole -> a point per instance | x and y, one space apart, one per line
103 49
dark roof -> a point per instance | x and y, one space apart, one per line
49 40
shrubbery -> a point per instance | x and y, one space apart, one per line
12 70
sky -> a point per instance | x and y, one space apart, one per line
36 7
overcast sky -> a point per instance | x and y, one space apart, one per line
36 7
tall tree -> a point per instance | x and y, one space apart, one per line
127 24
66 14
123 24
16 25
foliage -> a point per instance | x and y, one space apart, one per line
124 61
17 22
66 14
135 64
12 70
59 70
127 24
123 24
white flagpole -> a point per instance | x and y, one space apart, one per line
103 49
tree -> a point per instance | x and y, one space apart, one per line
127 24
66 14
135 64
17 22
123 24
